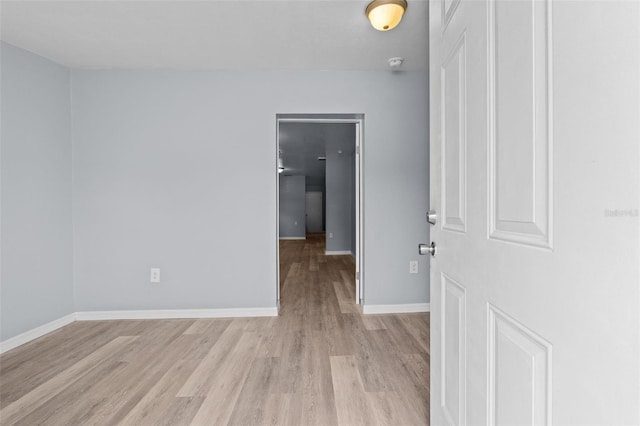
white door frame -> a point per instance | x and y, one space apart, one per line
359 123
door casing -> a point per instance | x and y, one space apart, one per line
358 121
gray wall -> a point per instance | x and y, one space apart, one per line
154 151
339 183
36 256
314 187
292 207
153 154
156 183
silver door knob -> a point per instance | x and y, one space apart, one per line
432 217
427 249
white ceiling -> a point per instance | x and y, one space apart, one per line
213 34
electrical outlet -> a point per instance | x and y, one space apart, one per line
330 234
413 267
155 275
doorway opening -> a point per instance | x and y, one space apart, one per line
319 191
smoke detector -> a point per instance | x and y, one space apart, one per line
395 62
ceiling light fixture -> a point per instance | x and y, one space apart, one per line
385 15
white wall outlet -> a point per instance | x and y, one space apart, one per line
413 267
155 275
330 234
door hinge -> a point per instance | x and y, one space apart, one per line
358 275
357 149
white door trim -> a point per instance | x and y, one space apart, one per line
358 120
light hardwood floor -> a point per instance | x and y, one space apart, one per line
320 362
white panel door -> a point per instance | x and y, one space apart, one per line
313 211
535 177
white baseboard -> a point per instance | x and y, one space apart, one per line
293 238
34 333
177 313
40 331
396 309
337 252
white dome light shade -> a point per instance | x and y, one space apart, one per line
385 15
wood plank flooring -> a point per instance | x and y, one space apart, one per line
321 362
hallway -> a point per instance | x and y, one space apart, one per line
377 365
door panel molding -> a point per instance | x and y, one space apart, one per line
449 8
520 99
454 137
519 375
453 334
